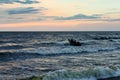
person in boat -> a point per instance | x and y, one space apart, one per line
74 42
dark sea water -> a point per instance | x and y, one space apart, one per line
25 54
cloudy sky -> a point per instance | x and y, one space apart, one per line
59 15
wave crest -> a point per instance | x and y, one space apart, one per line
90 74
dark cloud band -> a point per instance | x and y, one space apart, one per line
18 1
78 16
28 10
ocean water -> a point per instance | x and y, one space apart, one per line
26 54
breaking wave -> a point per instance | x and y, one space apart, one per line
69 49
60 47
90 74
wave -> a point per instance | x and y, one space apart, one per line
58 50
66 42
69 49
11 47
58 43
106 37
60 47
115 40
3 41
90 74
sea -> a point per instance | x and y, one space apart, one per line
49 55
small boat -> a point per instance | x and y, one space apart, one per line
74 42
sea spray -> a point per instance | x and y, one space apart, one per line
90 74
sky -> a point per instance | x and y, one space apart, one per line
59 15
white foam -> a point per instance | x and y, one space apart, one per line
90 74
62 42
68 49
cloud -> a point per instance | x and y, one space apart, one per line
22 14
94 17
78 16
27 1
28 10
116 20
18 1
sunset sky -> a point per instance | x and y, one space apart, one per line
59 15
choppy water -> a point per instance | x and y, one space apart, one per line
24 54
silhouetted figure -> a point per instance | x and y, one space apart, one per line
74 42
